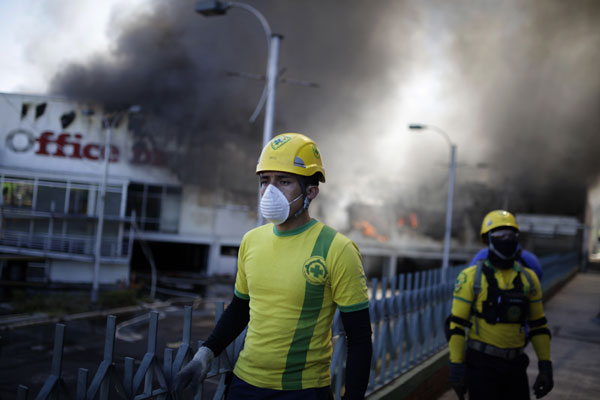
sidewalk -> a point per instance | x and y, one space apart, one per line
574 319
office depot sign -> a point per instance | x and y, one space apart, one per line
54 136
74 146
64 145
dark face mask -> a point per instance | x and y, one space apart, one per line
504 244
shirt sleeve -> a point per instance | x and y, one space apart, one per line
538 325
348 280
461 309
241 283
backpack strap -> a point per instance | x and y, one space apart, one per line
520 268
476 291
477 281
532 288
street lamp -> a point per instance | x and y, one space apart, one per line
212 8
446 255
107 121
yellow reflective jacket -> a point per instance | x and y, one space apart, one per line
501 335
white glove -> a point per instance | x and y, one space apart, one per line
195 371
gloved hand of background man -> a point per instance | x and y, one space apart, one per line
544 382
457 379
195 371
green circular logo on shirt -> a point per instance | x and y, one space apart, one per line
314 270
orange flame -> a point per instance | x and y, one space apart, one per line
369 230
413 220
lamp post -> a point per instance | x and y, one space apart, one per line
450 200
215 8
107 122
210 8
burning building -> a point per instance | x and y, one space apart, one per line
522 100
52 173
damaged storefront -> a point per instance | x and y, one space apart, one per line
53 176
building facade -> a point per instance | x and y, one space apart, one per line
53 174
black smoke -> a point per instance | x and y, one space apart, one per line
175 63
523 76
165 61
532 70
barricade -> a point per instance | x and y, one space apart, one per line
556 267
407 317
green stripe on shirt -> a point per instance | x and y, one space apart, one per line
313 302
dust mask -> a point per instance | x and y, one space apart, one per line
274 206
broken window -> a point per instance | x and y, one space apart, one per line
17 192
157 207
51 196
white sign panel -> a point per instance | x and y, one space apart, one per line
57 135
548 224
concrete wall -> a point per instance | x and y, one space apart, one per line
428 380
200 216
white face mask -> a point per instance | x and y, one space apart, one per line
274 206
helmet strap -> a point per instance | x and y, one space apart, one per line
306 201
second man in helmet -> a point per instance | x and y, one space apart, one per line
494 300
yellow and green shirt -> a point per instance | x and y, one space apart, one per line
502 335
295 280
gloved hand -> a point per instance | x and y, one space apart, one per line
195 371
544 382
458 379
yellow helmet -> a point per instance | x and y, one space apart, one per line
293 153
497 218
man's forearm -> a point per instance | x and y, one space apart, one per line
357 325
233 321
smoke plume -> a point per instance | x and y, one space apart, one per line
514 84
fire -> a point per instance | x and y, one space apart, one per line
412 218
369 230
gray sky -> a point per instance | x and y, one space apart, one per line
37 37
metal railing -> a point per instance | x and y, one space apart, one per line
407 316
38 236
556 267
58 243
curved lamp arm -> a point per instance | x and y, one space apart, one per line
432 128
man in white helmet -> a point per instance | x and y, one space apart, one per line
293 274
